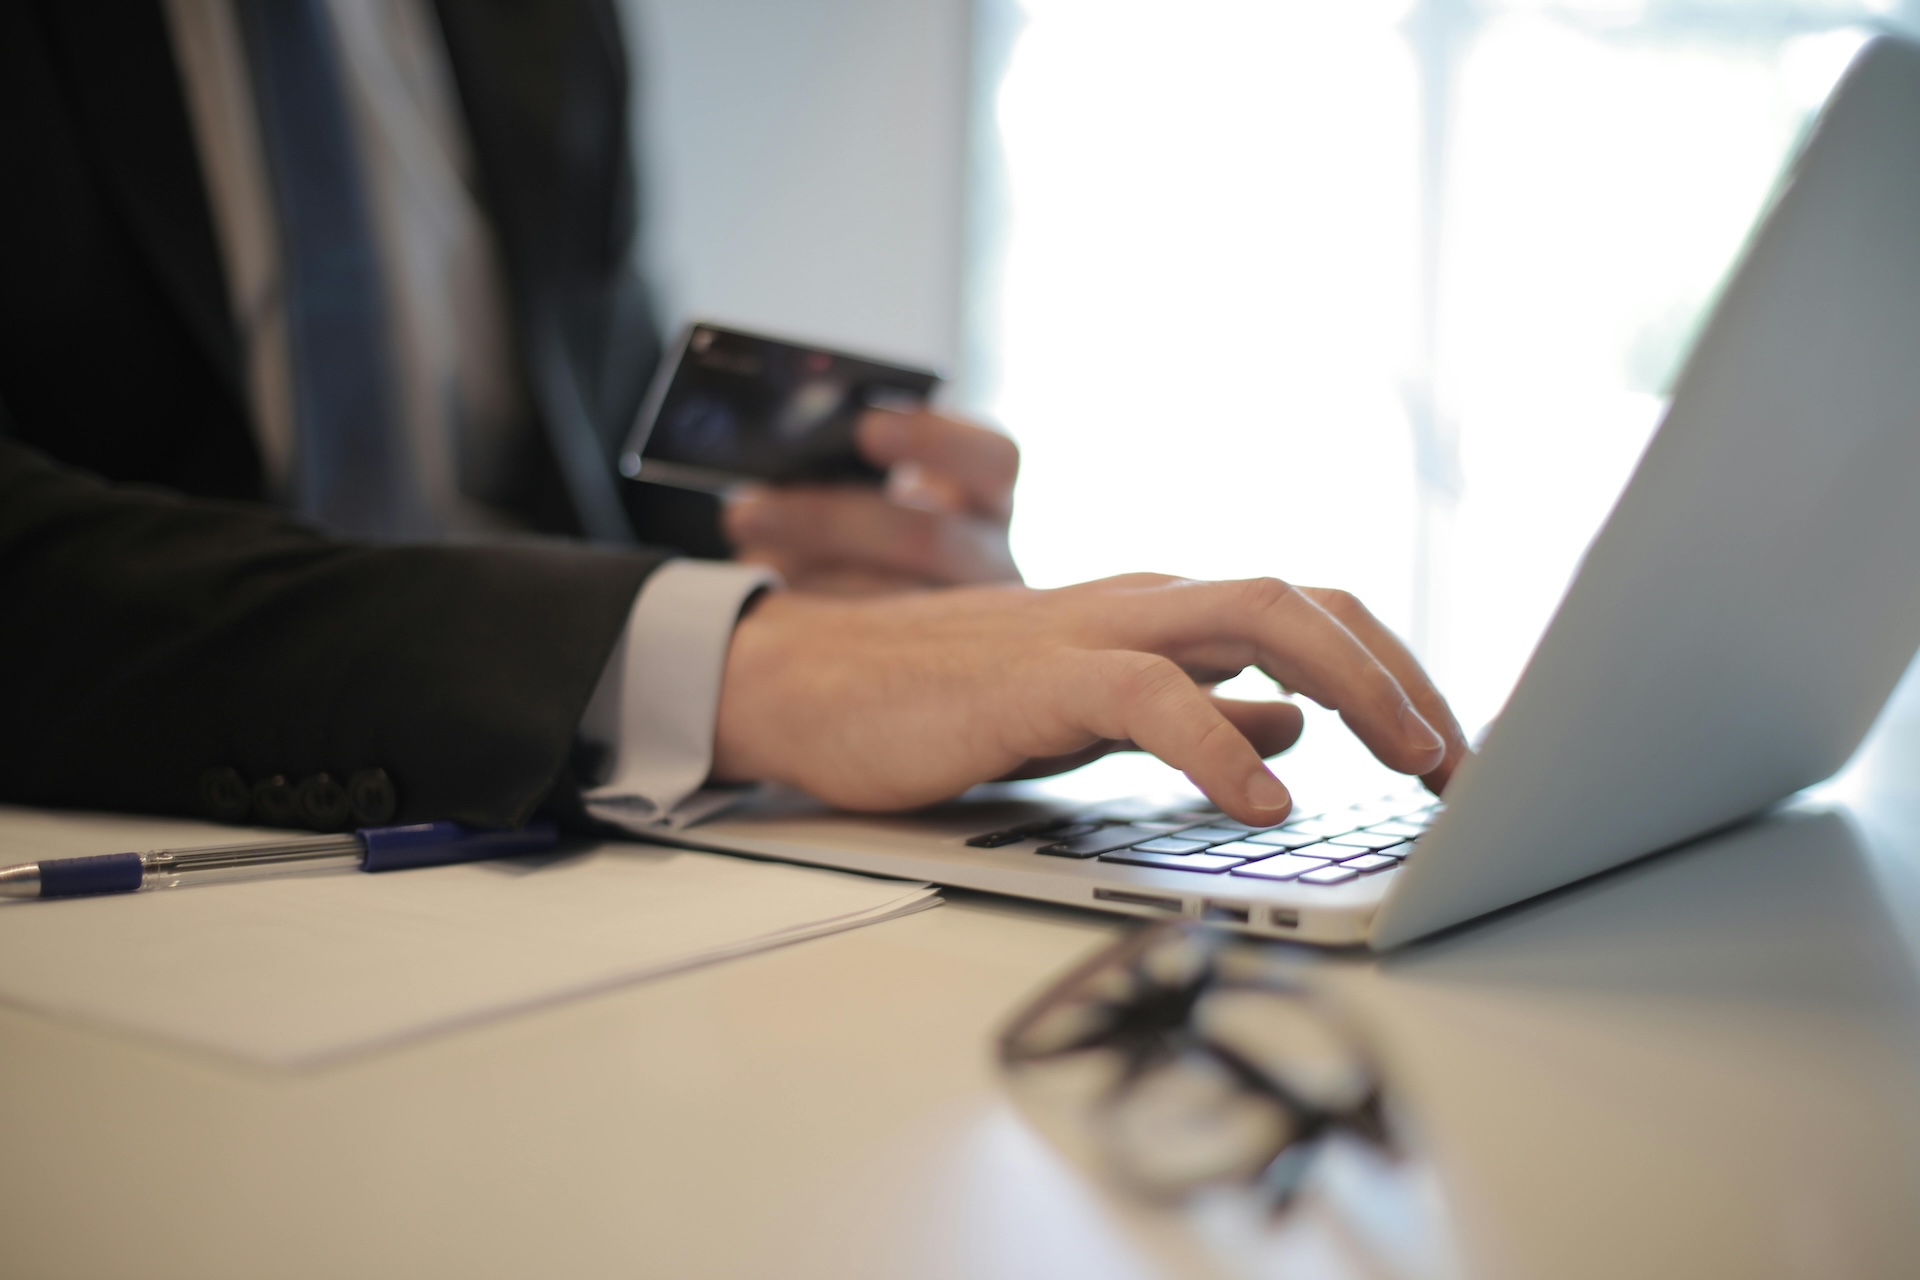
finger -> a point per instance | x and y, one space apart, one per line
1271 727
981 462
1303 645
1268 623
819 528
911 485
1386 646
1146 699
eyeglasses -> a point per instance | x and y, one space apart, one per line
1210 1064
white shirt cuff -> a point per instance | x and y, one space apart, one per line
655 706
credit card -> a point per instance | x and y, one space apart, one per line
730 406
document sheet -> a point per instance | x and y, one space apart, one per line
299 970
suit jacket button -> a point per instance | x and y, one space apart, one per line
223 794
275 803
371 796
323 803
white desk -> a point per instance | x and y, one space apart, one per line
1708 1065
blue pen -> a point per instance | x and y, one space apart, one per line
423 844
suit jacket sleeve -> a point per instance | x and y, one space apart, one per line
145 638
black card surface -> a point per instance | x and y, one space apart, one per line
733 406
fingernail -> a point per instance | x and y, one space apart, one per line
1420 734
1264 791
749 513
909 485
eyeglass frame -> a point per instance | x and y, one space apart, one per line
1166 1041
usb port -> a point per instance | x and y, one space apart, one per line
1226 913
1286 918
1138 899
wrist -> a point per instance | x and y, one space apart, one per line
745 724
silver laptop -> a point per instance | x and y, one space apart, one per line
1729 638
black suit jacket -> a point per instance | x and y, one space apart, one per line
145 638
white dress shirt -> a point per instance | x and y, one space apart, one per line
459 392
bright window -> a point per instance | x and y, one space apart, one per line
1377 295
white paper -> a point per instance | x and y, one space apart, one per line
295 971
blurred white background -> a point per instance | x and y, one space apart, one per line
1383 294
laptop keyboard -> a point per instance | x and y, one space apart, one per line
1321 849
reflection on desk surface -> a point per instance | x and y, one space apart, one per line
1713 1051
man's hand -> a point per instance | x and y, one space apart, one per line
942 520
897 702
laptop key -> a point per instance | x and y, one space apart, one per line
1282 839
1367 840
1331 824
1213 833
1057 828
1287 866
1336 874
1102 841
1248 849
1204 863
1369 862
1399 827
1171 844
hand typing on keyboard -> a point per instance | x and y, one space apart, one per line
896 702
